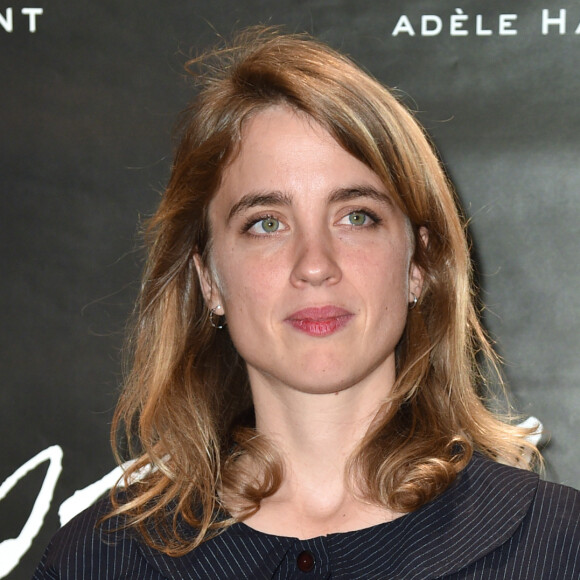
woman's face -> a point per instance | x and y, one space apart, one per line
310 259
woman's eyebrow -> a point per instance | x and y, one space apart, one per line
360 191
278 198
255 199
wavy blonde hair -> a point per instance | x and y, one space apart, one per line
186 408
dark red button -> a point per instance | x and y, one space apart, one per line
305 561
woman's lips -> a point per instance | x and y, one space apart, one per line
320 321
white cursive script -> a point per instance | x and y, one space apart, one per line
13 549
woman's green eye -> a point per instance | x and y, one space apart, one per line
357 218
270 225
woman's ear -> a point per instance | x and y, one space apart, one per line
209 286
416 274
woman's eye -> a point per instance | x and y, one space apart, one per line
267 225
361 218
357 218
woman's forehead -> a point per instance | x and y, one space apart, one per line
282 151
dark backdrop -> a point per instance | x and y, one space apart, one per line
87 102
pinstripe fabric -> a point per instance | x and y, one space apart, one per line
495 522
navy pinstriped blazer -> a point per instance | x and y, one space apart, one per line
495 522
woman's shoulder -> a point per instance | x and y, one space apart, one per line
87 547
556 510
91 547
532 523
509 484
549 513
496 517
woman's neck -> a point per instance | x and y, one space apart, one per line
316 435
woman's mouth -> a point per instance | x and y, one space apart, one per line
322 321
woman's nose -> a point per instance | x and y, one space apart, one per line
315 262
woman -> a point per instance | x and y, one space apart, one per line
304 395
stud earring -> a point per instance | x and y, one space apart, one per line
414 302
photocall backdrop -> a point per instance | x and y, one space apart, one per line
88 96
